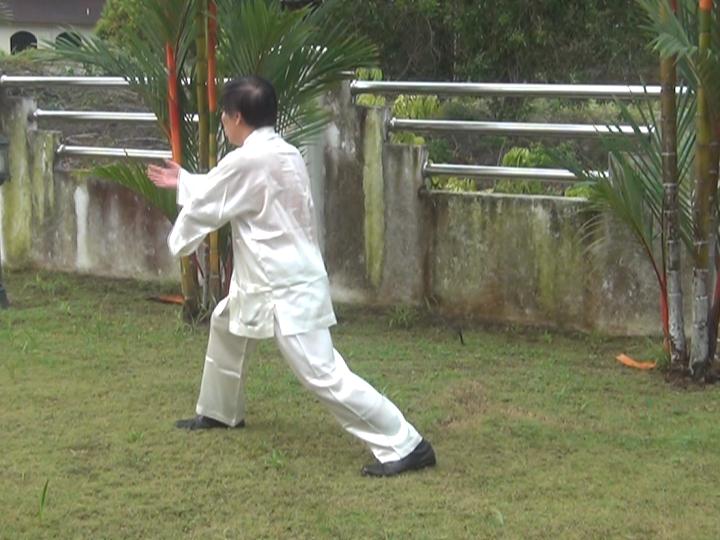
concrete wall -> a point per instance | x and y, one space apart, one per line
499 258
58 219
523 259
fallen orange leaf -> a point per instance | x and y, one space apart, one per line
627 361
168 299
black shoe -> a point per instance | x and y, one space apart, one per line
423 456
204 422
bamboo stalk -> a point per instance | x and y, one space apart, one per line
201 97
675 316
700 354
188 273
214 262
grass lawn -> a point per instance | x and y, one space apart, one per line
538 435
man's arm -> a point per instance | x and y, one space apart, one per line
227 191
172 176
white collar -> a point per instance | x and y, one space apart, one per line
260 134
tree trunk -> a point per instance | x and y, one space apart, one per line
201 97
676 330
188 273
215 285
702 206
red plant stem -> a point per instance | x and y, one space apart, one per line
173 104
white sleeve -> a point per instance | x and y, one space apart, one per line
188 183
231 189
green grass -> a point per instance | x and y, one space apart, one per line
538 435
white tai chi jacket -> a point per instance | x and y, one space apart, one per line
262 189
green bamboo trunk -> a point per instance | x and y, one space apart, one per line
702 215
668 78
210 299
215 282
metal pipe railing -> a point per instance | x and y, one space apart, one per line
104 151
598 91
112 116
53 81
34 81
575 91
513 128
486 171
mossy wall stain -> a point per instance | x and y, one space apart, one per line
373 188
508 258
17 192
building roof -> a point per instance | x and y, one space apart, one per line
72 12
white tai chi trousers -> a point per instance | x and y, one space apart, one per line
360 409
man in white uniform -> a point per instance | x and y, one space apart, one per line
279 287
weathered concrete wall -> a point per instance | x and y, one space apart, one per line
405 240
52 218
344 200
522 259
499 258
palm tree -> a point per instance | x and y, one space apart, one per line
676 322
686 34
693 36
303 52
633 191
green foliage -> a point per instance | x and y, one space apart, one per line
120 20
439 150
553 40
403 317
303 52
369 100
453 183
43 498
581 189
535 156
465 109
632 191
414 108
133 177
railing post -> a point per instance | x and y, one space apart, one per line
16 224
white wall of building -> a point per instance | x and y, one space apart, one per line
43 33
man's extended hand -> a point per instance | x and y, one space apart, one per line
165 177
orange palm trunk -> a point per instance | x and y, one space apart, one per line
188 273
173 104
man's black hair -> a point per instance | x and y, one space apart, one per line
253 97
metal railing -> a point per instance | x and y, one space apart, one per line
111 116
25 81
572 91
487 171
513 128
105 151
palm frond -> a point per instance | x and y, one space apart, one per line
632 189
133 177
303 53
